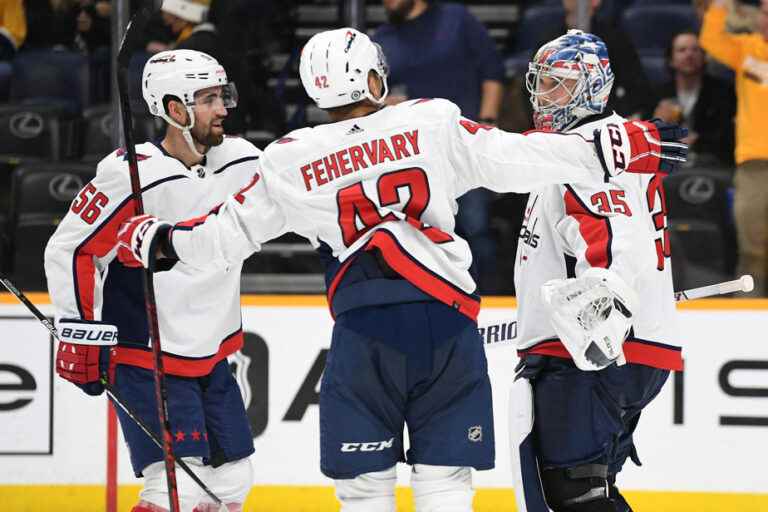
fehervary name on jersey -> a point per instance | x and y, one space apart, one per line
354 158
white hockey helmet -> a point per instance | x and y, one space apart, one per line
181 73
335 64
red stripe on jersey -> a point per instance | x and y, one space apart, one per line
191 223
421 277
98 244
336 281
636 351
594 229
175 365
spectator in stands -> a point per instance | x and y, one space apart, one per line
51 23
746 55
93 25
698 101
189 22
457 60
632 94
13 27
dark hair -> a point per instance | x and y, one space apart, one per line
670 46
169 98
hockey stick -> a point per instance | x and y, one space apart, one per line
111 392
743 284
128 44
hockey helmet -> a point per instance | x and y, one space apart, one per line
181 73
335 64
577 62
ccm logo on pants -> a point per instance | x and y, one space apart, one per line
375 446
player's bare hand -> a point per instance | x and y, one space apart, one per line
641 146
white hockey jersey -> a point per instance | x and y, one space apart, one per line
198 311
386 181
620 224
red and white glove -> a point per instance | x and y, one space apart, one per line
136 240
641 146
81 358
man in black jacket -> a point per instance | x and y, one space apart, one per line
702 103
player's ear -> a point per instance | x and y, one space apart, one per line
375 84
177 111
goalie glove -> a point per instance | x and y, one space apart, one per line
640 146
592 316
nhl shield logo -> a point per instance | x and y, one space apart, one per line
475 434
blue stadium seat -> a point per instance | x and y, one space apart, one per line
6 72
529 28
652 27
135 69
700 226
51 77
41 195
96 140
656 69
36 131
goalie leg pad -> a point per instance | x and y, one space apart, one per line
155 490
231 482
369 492
584 488
442 488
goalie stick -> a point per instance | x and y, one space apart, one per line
111 392
131 38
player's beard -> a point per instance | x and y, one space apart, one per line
399 15
207 138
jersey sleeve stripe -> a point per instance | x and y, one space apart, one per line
235 162
97 245
100 242
595 230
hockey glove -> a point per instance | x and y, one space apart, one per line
591 315
137 239
83 353
640 146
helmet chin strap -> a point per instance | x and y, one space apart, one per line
186 131
379 101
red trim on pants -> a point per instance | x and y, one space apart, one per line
175 365
636 351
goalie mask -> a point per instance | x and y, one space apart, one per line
568 79
335 64
181 73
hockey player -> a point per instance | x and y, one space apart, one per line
375 191
592 275
191 171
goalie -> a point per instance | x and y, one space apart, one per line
594 290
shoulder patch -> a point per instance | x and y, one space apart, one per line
285 140
139 157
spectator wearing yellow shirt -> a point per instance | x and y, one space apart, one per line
13 27
747 55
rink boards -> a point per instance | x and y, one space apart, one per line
702 442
